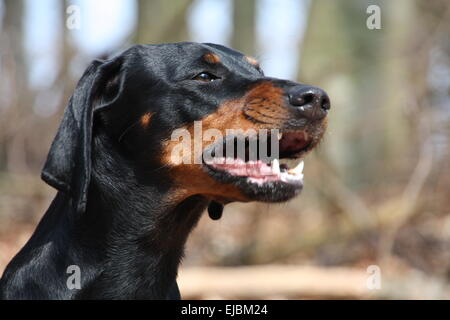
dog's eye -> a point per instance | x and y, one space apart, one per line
205 77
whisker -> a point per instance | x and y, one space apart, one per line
128 129
266 115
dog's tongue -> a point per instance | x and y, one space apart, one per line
238 167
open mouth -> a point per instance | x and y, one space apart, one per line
275 159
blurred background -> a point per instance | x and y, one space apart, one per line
376 201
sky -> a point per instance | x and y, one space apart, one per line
105 24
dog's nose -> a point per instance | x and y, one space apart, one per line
311 102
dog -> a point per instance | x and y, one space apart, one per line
125 206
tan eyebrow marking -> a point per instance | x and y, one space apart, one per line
145 119
252 61
211 58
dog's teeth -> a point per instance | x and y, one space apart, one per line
300 167
280 135
298 170
275 166
229 161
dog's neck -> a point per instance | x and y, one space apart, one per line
142 231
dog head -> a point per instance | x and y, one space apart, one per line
201 118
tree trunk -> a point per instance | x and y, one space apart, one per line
162 21
244 38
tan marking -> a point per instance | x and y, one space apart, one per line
191 179
252 61
211 58
145 119
263 103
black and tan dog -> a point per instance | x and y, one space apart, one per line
124 208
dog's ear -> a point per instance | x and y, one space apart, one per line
68 165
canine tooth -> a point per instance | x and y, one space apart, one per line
298 170
280 135
300 167
275 166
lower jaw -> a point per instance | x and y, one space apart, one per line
264 189
284 177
